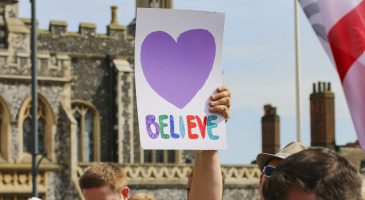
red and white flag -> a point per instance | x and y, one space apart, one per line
340 27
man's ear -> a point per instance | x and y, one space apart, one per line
125 192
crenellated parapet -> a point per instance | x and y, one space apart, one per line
86 42
51 67
58 28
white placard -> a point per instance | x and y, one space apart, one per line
177 69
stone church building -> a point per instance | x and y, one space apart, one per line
86 113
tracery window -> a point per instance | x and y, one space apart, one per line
87 131
27 129
46 129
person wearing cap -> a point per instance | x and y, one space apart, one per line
316 173
267 162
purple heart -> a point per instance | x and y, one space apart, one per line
178 70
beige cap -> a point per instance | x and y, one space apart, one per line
293 147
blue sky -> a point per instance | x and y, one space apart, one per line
258 63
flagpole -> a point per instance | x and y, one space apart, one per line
297 73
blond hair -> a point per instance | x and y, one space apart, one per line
103 174
142 196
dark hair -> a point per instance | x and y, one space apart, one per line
103 174
321 171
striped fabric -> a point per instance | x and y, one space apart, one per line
340 27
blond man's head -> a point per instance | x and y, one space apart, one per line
103 181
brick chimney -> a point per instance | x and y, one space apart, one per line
322 116
270 126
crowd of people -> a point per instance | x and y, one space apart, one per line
294 173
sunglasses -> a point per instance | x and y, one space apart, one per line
268 170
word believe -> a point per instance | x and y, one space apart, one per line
157 128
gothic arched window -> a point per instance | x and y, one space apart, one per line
46 129
87 119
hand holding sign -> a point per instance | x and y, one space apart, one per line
177 62
220 102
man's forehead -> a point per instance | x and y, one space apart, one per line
98 193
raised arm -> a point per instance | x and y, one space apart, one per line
207 177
